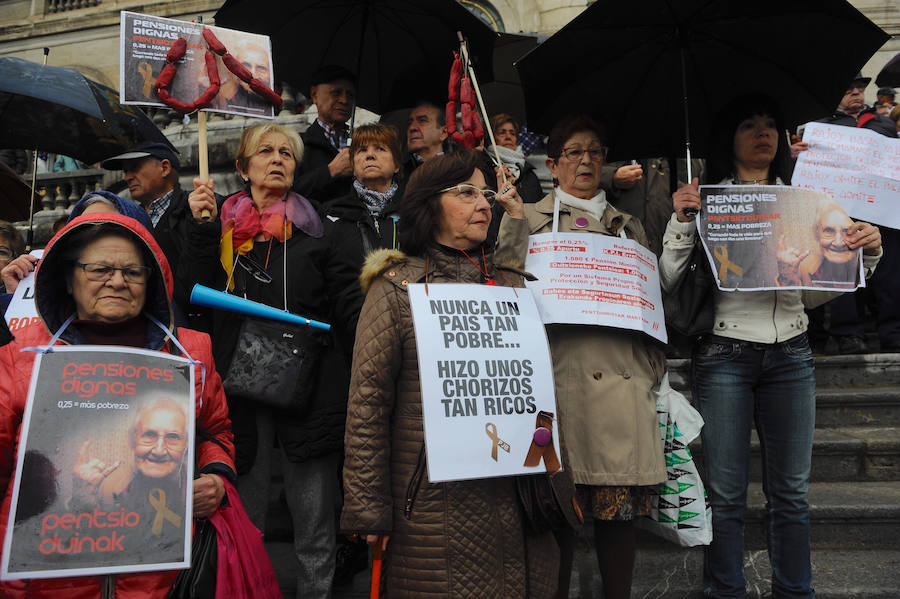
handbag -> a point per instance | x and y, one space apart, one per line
688 307
199 581
679 510
548 500
275 363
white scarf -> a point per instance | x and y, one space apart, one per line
514 159
595 206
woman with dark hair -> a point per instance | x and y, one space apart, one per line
603 376
453 539
755 366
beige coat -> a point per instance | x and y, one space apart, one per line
607 411
447 540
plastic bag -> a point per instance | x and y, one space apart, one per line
680 512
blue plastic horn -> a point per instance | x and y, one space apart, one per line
204 296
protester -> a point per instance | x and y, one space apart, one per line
107 272
446 530
895 116
755 365
886 96
845 313
277 251
834 264
187 238
426 133
11 246
506 134
325 172
603 376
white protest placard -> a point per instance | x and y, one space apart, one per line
104 467
145 40
486 374
857 167
22 311
585 278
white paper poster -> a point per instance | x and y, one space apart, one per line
486 374
584 278
22 311
857 167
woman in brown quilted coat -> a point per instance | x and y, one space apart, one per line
453 539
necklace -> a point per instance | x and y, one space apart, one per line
737 181
488 280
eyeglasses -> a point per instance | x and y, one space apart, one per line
469 193
94 271
5 253
170 440
254 269
597 153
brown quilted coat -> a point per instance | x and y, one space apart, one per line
456 539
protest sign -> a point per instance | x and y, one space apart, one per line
486 375
857 167
21 311
105 464
777 237
585 278
146 39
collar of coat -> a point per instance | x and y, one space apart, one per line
610 223
400 268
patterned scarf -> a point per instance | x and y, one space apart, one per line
375 201
242 223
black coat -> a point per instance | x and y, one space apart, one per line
313 179
878 124
321 284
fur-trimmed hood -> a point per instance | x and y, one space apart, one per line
376 263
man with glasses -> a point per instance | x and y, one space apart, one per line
187 238
883 290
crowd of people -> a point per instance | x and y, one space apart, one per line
336 231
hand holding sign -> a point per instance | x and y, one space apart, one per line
17 270
865 236
202 200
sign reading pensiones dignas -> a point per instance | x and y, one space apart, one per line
145 40
760 237
105 464
486 376
585 278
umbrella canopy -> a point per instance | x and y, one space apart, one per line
889 75
401 50
60 110
633 68
504 93
14 192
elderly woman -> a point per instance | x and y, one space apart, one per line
454 539
506 134
604 376
276 250
104 281
755 365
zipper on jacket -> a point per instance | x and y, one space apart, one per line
414 483
108 587
774 316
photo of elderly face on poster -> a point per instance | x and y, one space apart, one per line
235 94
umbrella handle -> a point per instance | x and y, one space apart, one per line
464 52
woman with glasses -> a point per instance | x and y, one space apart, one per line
104 280
452 539
755 367
276 250
607 411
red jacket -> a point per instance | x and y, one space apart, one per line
15 375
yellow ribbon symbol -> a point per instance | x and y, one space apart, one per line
721 252
162 511
491 429
146 70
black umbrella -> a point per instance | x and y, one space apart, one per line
401 50
643 71
60 110
889 75
14 193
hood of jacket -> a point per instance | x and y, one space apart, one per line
54 303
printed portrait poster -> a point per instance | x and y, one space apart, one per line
105 465
585 278
21 311
760 237
486 375
146 39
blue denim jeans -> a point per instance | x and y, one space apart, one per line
736 384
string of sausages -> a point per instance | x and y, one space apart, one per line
460 91
177 52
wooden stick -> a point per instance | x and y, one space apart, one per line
203 155
464 52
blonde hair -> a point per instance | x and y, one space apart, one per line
251 137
